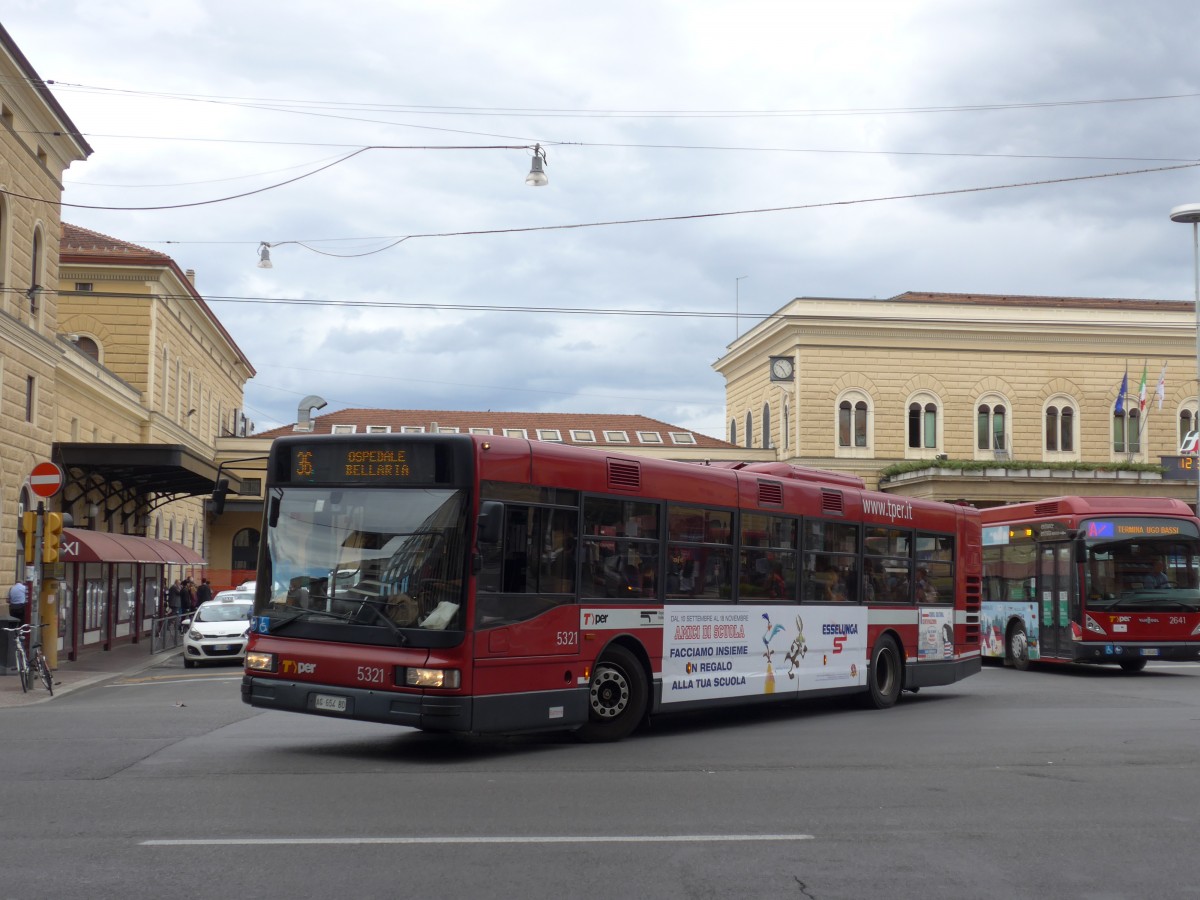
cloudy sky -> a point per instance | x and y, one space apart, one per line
750 152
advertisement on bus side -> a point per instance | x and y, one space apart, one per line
935 637
711 653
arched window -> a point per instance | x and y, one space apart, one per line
733 431
35 271
1189 421
89 347
766 420
852 423
244 553
922 425
1060 428
1127 432
749 429
991 426
787 428
4 242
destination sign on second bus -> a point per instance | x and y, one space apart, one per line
1111 529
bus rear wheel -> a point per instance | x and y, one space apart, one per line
885 678
617 697
1018 648
1132 665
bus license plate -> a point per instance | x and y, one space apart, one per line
329 703
1149 651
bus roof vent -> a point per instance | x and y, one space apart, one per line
831 502
770 493
624 475
1050 508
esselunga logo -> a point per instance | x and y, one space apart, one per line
840 632
295 667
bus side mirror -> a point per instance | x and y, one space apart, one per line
491 521
273 512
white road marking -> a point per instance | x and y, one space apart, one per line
560 839
180 679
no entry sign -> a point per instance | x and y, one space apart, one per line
46 479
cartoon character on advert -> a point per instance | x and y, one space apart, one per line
798 649
768 636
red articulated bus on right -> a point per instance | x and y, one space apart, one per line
1091 580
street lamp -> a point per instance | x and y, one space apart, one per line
1189 213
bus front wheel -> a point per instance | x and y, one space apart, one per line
617 697
1018 648
1132 665
886 675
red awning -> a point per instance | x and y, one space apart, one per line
80 545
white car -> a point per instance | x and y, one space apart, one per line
219 629
246 596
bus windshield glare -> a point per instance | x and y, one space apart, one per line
1143 573
386 560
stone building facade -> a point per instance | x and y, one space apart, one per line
38 143
1023 389
113 367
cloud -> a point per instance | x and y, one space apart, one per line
646 111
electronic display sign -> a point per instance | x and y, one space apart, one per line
1179 468
340 462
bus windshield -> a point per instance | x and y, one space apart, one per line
383 559
1143 575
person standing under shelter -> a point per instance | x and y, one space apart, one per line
204 592
174 598
189 595
17 602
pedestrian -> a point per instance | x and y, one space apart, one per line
17 604
189 595
204 592
175 598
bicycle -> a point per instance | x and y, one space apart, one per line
31 662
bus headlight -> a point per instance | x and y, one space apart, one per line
260 662
450 679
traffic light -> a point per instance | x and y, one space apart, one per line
51 537
29 527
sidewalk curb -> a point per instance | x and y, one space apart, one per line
68 679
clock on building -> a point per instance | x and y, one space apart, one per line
782 368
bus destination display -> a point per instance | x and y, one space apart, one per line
406 463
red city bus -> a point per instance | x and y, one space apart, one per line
1091 580
479 584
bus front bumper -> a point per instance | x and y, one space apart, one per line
1105 652
534 711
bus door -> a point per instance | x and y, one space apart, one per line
1058 603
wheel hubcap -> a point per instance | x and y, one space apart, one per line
610 693
1019 645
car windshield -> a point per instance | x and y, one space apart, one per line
223 612
382 559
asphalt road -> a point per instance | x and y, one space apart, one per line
1072 784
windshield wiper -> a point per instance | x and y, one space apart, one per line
352 618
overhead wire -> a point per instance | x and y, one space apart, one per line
285 104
